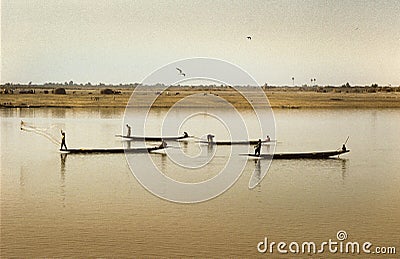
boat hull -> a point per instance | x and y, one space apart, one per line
151 138
110 150
308 155
239 142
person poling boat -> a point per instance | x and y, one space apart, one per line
257 148
63 141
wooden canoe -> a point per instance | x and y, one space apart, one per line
305 155
236 142
110 150
157 138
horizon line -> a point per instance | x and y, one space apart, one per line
88 84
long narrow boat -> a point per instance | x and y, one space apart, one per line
110 150
158 138
306 155
236 142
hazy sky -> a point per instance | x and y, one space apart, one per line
123 41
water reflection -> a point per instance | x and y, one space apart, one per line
164 161
26 112
63 158
210 149
257 172
268 148
184 144
9 113
59 112
295 195
110 113
344 169
255 179
22 177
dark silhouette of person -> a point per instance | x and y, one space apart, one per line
163 144
268 139
210 138
129 130
257 148
344 148
63 141
185 134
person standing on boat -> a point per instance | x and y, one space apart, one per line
128 134
63 141
210 138
257 148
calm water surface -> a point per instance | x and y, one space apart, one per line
91 205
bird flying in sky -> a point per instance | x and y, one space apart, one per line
180 72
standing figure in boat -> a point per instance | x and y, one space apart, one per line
129 130
210 138
257 148
63 140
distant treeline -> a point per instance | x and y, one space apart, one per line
69 85
59 88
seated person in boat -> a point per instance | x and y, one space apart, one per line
185 134
344 148
163 144
257 148
268 139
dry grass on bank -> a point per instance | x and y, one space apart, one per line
278 98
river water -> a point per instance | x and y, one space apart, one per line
55 205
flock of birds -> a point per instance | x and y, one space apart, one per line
181 73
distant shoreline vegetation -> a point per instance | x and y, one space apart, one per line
118 96
108 88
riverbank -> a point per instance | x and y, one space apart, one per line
293 98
